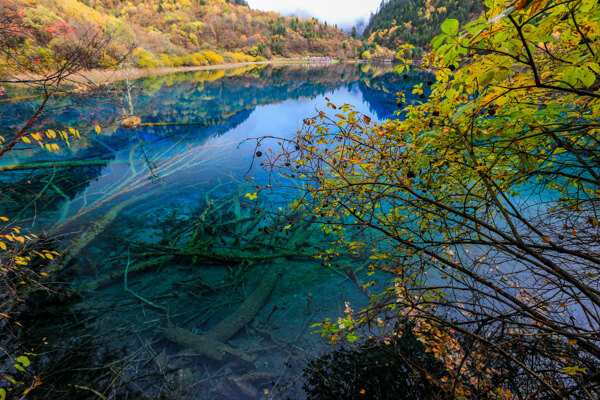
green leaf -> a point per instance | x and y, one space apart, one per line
19 368
450 26
2 394
574 370
438 40
351 337
486 78
24 360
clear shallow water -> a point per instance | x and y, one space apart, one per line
168 199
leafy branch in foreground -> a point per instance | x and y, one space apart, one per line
481 204
29 60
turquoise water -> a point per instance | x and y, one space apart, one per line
167 203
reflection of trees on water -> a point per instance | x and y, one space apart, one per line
204 103
380 91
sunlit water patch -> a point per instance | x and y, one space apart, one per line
180 285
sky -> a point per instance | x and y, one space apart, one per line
341 12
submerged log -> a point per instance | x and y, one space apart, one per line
211 344
219 256
53 164
97 227
202 345
233 387
225 329
117 274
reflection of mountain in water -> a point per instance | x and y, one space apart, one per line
380 91
210 105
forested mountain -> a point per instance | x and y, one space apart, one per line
416 21
175 32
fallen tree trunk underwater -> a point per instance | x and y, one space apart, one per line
212 343
97 227
53 164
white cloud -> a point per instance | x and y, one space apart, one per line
342 12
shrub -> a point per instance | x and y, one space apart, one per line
119 29
166 60
213 58
197 59
178 61
40 17
145 58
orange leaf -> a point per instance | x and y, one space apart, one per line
521 4
545 239
537 6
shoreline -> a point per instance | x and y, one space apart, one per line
100 76
104 76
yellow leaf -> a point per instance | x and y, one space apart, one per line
572 341
26 139
4 219
252 196
43 274
17 322
49 256
97 128
3 245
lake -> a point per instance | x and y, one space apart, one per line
173 279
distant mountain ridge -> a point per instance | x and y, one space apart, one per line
416 21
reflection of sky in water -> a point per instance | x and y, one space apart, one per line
281 120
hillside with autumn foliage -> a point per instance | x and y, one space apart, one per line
416 22
157 33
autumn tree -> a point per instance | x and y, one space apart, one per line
46 65
480 204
